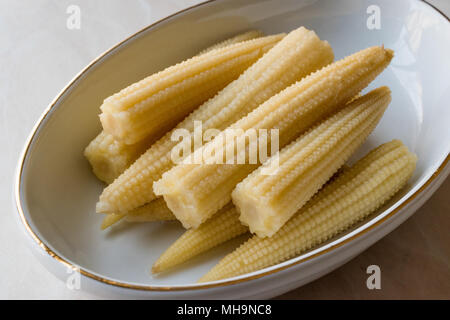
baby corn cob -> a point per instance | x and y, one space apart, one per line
161 100
298 54
194 192
266 202
355 194
249 35
156 210
109 157
223 226
111 219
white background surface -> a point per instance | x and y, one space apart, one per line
39 55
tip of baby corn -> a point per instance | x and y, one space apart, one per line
103 207
206 278
156 268
111 219
380 91
388 52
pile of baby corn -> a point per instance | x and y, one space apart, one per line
287 82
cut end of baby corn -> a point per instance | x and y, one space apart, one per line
223 226
109 157
300 53
156 210
351 197
161 100
266 202
111 219
252 34
194 192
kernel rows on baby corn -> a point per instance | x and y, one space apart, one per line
220 228
194 192
161 100
355 194
297 55
266 202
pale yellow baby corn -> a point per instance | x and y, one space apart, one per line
266 202
252 34
223 226
194 192
156 210
109 157
298 54
111 219
355 194
161 100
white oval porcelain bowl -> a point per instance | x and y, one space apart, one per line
56 191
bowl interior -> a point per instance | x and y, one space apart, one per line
58 192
